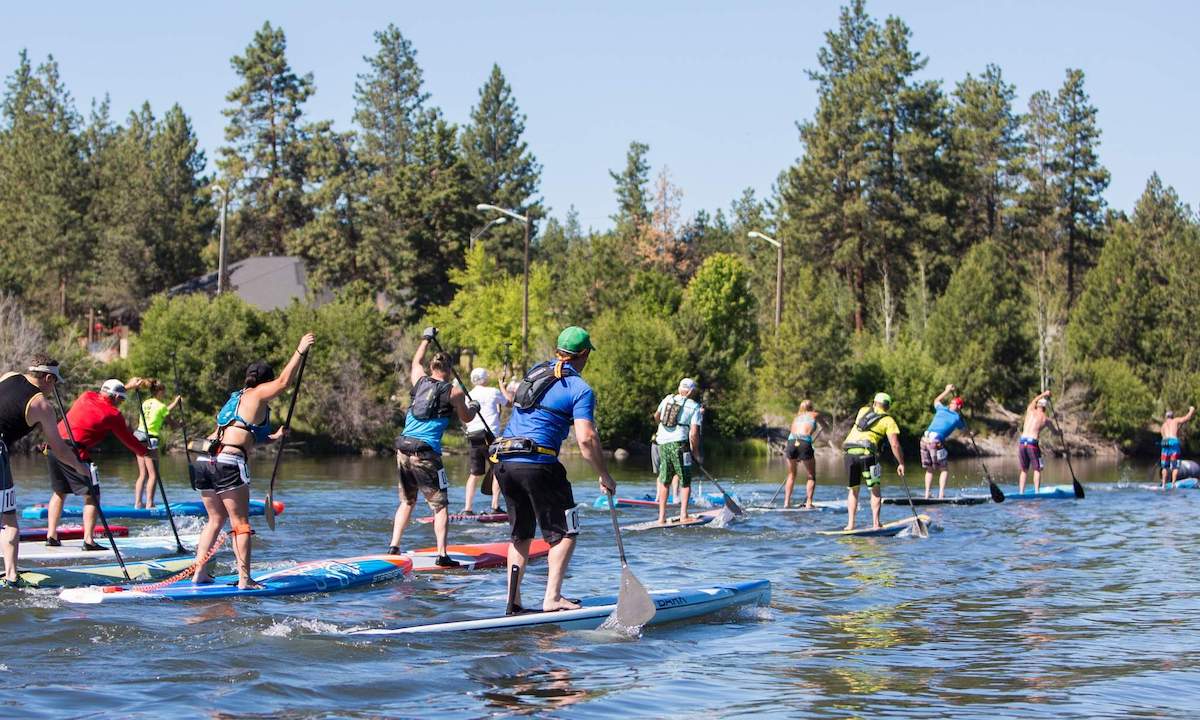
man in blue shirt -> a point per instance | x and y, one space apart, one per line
551 400
419 448
933 450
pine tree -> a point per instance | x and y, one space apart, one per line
985 145
389 100
263 165
505 172
632 188
332 242
1082 179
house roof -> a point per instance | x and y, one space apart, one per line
267 282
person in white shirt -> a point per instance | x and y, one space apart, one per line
679 418
490 400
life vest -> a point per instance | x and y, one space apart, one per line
431 399
538 381
868 438
228 415
671 413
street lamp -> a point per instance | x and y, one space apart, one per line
778 273
221 249
484 207
476 235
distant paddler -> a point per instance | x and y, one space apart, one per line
551 400
679 420
24 407
861 455
92 417
934 456
799 452
222 474
1029 450
434 400
480 437
150 423
1170 445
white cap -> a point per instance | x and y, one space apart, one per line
113 387
479 376
687 384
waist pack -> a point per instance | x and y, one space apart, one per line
509 446
412 446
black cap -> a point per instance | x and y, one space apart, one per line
258 372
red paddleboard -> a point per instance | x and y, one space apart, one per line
71 532
473 557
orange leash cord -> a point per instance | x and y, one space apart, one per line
150 587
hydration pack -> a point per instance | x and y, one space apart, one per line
867 421
538 381
229 411
671 413
431 399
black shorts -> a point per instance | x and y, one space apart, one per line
8 493
856 467
538 493
480 441
221 474
798 449
64 480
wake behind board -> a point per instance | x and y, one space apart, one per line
186 509
1185 484
70 532
889 530
1053 492
670 606
142 546
465 519
309 577
720 516
481 556
108 574
958 500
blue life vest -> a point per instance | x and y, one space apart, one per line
228 415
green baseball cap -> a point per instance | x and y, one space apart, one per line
575 340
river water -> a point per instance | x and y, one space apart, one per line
1052 609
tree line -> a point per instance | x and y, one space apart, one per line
931 234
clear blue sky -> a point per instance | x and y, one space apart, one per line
714 88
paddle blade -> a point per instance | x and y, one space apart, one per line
1078 489
82 596
997 493
732 504
635 608
269 511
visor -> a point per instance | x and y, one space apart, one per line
48 369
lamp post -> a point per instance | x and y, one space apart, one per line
222 252
484 207
778 273
477 234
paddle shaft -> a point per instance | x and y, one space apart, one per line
996 493
287 424
187 451
729 501
463 385
911 506
162 485
1075 485
93 490
782 484
612 513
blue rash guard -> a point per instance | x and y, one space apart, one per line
945 421
568 400
428 431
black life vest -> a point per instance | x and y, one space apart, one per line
431 399
867 421
538 381
670 414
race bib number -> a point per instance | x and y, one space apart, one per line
943 454
443 480
8 500
152 444
687 459
572 521
95 473
876 471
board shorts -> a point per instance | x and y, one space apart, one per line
479 440
65 481
1029 453
858 469
220 474
798 449
675 458
8 492
538 494
1171 450
933 453
422 470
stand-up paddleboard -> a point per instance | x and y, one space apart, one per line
889 530
190 509
1053 492
957 500
601 503
465 519
481 556
108 574
309 577
142 546
70 532
671 606
1186 484
818 506
718 516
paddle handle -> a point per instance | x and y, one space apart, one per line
612 514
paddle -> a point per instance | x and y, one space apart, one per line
771 504
921 530
996 492
93 489
1075 485
514 579
161 480
461 384
729 501
269 507
634 606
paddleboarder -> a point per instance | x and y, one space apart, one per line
1171 448
551 400
946 419
861 455
93 417
679 419
434 400
799 451
222 474
24 407
490 400
151 419
1029 451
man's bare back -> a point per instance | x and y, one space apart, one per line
1035 416
1170 426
